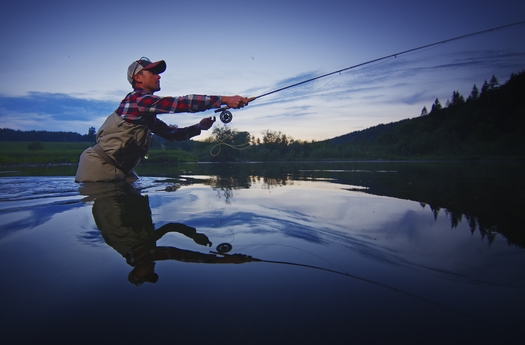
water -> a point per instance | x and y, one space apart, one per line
332 253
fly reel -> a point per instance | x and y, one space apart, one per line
224 248
226 116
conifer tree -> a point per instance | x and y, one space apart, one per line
457 99
493 84
474 94
484 88
436 106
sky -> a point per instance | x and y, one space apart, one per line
64 63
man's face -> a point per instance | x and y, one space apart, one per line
149 81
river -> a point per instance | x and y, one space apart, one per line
258 253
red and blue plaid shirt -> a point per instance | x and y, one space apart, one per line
140 107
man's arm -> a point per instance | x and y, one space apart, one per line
141 255
187 231
192 103
172 133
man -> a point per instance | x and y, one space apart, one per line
125 136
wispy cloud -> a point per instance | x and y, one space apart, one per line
58 106
52 111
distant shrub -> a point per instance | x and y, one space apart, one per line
35 146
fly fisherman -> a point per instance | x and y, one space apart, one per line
125 136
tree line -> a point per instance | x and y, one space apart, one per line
7 134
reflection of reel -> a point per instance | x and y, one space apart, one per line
224 248
226 116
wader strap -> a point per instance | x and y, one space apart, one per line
100 151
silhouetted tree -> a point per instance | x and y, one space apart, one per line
92 133
474 94
484 88
493 83
436 106
276 141
457 99
424 112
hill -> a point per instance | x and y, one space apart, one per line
490 122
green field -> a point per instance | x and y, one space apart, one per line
15 153
20 152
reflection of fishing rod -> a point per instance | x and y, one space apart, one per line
224 248
226 116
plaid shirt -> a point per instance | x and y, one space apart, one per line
140 107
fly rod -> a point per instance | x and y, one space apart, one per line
226 116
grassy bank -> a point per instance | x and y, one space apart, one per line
19 152
16 153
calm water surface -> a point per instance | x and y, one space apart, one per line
250 253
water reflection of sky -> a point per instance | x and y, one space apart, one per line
385 229
429 274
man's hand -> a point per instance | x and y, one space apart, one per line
206 123
235 102
201 239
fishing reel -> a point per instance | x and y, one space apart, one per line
225 116
224 248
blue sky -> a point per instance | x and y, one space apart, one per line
64 62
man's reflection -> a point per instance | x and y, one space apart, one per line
123 216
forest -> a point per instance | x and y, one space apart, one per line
487 124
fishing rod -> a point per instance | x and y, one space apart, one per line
226 116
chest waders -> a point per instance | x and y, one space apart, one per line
120 147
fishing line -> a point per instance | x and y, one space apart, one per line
226 116
236 147
385 286
222 225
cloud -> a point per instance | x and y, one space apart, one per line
55 105
53 112
485 59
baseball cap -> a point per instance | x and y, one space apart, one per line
145 63
150 278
